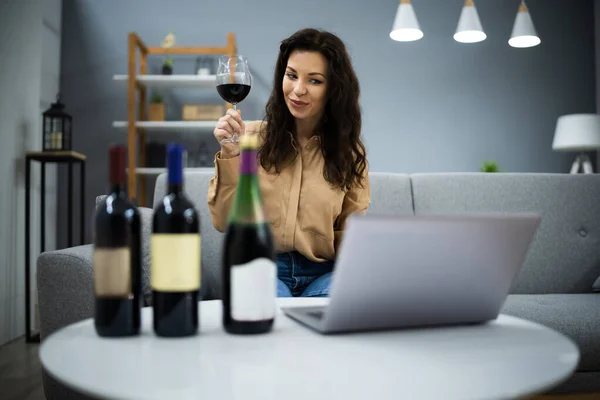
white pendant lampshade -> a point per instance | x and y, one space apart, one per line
406 26
469 29
523 33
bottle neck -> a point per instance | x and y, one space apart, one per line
175 170
247 204
175 188
248 165
117 188
117 170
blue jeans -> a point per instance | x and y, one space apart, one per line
301 277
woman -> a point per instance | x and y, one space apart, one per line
312 163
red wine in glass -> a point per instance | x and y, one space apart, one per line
233 92
233 83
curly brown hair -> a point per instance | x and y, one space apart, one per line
340 126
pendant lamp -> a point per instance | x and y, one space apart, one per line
523 33
469 29
406 26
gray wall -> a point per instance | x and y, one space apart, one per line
50 84
431 105
29 49
597 53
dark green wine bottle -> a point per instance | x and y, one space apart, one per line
249 270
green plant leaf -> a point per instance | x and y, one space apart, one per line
156 97
489 166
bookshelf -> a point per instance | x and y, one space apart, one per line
167 126
170 81
158 171
138 81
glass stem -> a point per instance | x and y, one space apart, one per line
235 134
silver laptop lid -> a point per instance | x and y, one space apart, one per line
407 270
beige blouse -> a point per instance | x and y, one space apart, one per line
306 213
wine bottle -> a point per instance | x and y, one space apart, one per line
117 257
249 270
175 256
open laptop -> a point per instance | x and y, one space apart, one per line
402 271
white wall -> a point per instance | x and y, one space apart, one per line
50 84
30 50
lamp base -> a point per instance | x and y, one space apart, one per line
582 162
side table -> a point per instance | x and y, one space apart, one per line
69 157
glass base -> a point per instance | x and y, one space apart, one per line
233 139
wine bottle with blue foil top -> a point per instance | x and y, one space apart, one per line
249 269
175 256
117 261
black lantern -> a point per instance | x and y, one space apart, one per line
56 128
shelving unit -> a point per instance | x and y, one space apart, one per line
170 126
170 81
158 171
137 83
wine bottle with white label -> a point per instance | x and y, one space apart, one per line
175 256
117 262
249 270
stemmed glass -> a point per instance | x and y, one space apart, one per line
233 83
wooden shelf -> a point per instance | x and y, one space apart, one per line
171 81
158 171
169 126
138 81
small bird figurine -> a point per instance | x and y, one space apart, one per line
169 40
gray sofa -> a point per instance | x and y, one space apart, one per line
555 286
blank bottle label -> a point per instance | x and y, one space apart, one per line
253 290
175 262
112 272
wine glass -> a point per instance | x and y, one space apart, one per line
233 83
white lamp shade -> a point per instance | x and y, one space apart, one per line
523 33
469 29
406 26
577 132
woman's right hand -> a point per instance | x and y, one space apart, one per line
226 126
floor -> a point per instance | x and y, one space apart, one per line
590 396
20 371
21 375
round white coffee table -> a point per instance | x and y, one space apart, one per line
507 358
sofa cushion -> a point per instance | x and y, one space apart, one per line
576 316
564 256
389 193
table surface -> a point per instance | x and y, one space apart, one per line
505 358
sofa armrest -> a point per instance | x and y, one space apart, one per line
65 287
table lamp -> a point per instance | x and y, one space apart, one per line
578 132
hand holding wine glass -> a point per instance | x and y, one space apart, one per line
233 85
226 128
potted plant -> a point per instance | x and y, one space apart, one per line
168 42
167 67
157 107
489 166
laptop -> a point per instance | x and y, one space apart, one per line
407 271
